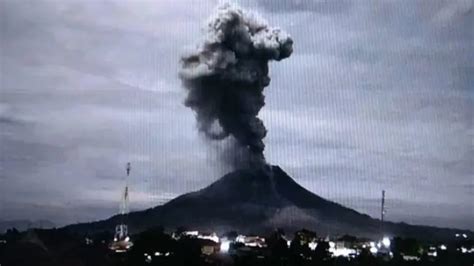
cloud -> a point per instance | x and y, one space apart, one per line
384 103
81 94
327 7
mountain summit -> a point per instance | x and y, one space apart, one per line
259 200
263 199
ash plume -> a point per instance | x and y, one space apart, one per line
225 76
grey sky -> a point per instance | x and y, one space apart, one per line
377 95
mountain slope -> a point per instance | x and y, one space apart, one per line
256 200
22 225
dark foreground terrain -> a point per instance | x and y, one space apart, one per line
154 247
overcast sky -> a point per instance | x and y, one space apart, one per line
377 95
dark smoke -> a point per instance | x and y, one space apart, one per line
225 77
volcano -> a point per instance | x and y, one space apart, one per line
261 200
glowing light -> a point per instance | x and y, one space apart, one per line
386 242
344 252
191 233
332 244
225 245
410 258
373 250
159 254
212 237
251 241
312 245
443 247
240 239
432 254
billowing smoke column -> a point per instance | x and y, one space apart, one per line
225 77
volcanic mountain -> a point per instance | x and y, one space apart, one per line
260 200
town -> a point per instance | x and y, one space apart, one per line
188 247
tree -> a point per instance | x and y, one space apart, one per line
321 252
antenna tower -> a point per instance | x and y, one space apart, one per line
121 242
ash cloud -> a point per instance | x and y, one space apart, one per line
225 77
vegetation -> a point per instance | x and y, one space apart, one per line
155 247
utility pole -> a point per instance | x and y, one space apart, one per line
382 211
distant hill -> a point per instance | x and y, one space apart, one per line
258 200
22 225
